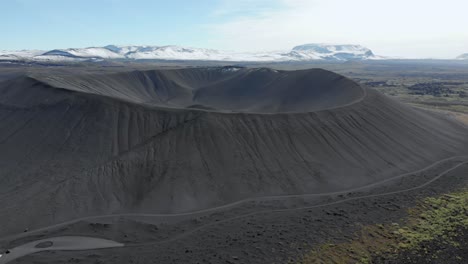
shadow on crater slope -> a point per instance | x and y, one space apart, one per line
222 89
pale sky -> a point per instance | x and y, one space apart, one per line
400 28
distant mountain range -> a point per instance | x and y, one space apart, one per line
463 57
307 52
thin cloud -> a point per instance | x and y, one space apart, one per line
241 8
397 28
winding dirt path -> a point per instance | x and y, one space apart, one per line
255 199
226 206
191 232
87 243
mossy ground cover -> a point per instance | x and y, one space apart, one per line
435 224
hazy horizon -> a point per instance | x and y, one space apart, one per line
417 29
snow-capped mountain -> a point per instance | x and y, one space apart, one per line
97 53
463 57
165 52
332 52
19 54
305 52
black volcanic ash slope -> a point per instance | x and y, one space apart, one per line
225 89
73 146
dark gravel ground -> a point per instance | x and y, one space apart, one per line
265 237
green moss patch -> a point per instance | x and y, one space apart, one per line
434 219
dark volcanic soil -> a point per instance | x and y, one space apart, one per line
175 141
269 237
